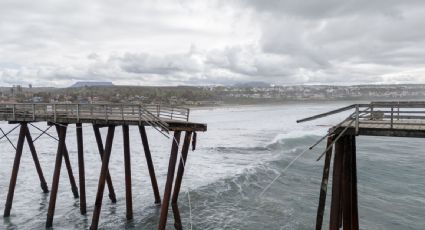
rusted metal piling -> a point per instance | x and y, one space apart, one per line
374 119
162 118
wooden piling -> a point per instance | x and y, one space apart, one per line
179 178
15 170
74 187
324 186
81 170
169 182
127 168
30 142
335 212
354 211
102 177
346 183
65 155
56 175
98 137
149 162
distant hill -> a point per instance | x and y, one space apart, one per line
91 83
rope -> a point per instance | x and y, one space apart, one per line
283 171
5 135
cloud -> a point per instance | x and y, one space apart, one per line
212 42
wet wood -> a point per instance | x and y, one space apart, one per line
68 166
354 211
324 186
81 172
56 175
99 142
127 169
102 177
335 211
15 170
149 162
30 142
347 183
169 182
71 177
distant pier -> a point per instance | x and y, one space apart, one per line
164 119
382 118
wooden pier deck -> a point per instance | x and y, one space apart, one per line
164 119
382 118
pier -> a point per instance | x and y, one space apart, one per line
169 121
379 118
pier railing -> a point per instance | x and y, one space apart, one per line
50 111
388 113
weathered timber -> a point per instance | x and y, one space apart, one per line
179 179
98 137
81 172
324 186
15 170
102 177
127 169
335 211
68 166
160 118
169 182
30 142
56 175
149 162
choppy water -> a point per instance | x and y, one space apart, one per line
243 150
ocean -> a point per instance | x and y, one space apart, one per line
244 149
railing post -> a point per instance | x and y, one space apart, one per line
106 113
357 119
122 111
398 110
78 112
187 115
14 111
33 112
140 114
171 115
158 109
392 116
54 112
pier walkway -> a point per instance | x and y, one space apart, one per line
164 119
379 118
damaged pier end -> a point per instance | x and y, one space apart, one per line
169 121
379 118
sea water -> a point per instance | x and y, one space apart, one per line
244 149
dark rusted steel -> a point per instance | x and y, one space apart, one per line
111 190
169 183
324 186
149 162
56 175
81 172
30 142
102 177
15 170
127 167
335 211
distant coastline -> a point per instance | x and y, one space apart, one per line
208 96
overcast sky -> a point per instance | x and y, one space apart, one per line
57 42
